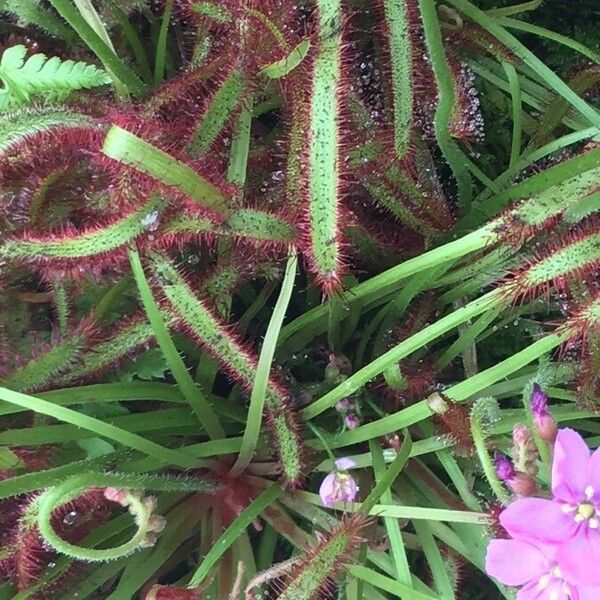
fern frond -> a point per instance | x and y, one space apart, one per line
40 74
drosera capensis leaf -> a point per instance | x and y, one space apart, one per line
132 335
70 248
246 224
126 147
323 161
401 60
217 113
312 570
74 485
286 65
188 386
212 10
21 124
40 371
199 320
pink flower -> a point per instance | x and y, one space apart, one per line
571 520
533 565
339 486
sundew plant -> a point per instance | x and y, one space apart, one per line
299 299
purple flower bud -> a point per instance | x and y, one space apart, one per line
351 421
339 486
518 482
539 401
544 421
504 467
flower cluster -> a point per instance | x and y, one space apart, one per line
554 548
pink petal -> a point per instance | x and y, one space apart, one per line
514 563
529 592
587 592
579 558
570 467
351 490
345 463
593 476
555 590
326 490
537 519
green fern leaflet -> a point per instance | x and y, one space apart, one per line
40 74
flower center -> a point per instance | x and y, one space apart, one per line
586 511
342 487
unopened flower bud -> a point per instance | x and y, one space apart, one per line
436 403
343 406
538 400
521 435
393 441
505 470
148 540
332 373
525 454
351 421
337 369
522 484
545 423
156 523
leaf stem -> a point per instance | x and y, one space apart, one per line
261 379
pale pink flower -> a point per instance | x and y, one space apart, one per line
533 566
339 486
571 520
